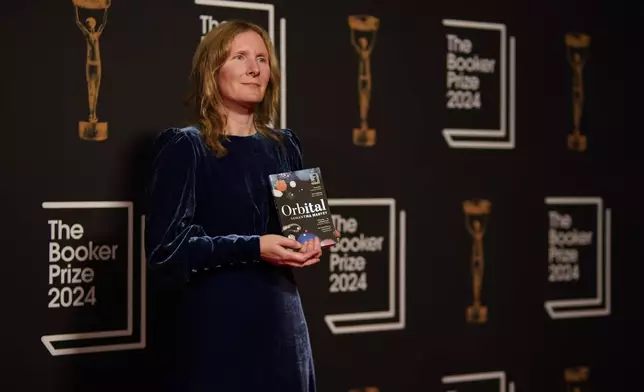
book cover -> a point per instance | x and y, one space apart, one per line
303 207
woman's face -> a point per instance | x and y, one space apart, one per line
246 72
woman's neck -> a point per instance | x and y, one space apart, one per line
239 122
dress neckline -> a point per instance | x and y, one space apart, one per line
240 137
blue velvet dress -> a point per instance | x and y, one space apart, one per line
230 322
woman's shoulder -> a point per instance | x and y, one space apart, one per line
285 132
173 135
179 140
293 146
282 131
289 137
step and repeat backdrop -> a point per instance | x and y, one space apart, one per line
475 154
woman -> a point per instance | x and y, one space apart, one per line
235 320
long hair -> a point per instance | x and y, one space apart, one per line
205 98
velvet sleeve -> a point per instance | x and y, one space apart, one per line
294 149
175 244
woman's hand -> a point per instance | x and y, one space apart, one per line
280 250
312 246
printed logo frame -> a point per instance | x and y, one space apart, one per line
586 307
485 138
379 318
50 340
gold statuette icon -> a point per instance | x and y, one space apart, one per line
92 129
576 378
363 38
577 45
476 216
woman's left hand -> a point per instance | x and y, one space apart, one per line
309 245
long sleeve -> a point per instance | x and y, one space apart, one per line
175 244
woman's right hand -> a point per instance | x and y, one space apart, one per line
280 250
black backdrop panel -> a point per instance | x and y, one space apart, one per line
484 247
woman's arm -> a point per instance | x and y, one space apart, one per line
174 243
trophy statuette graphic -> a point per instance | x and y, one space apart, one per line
476 215
577 47
576 378
92 129
364 26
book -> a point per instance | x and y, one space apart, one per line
303 207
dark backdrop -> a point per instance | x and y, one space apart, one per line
387 312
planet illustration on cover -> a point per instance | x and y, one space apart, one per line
291 231
302 238
280 185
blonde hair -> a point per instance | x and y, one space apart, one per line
206 99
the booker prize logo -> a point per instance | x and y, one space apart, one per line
578 257
211 13
479 85
366 268
363 29
91 297
496 381
577 45
91 19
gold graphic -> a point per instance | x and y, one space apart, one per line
367 389
366 26
92 129
577 44
476 215
576 378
